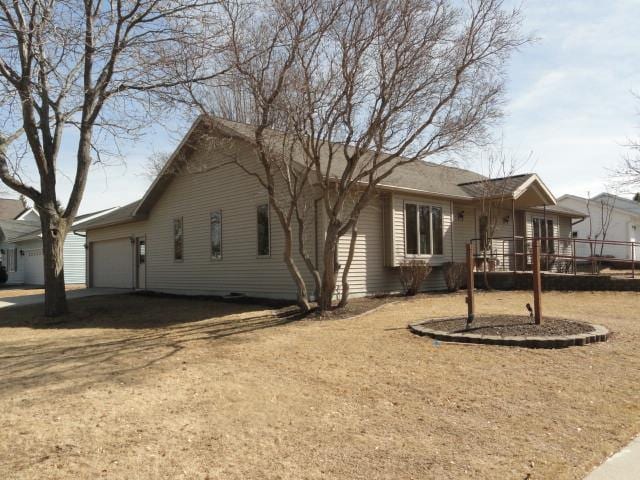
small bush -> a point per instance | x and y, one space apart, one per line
454 275
412 274
3 274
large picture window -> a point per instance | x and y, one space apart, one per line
178 239
216 235
423 229
264 240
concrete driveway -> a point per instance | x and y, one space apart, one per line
36 296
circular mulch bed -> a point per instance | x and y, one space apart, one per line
511 330
508 325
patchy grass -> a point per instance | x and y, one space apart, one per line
135 387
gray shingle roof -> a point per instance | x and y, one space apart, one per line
10 230
119 215
495 186
629 206
10 208
426 177
419 176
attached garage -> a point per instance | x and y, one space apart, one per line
112 263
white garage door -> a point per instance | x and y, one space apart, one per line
33 266
112 264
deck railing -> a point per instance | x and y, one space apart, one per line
558 254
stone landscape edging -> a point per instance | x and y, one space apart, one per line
599 334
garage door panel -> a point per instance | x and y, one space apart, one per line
33 266
112 263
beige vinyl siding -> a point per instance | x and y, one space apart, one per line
464 230
193 196
368 274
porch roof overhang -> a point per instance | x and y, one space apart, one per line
525 191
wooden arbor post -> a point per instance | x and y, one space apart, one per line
537 282
471 304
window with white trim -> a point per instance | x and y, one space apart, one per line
216 234
423 229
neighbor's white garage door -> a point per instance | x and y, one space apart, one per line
33 266
112 263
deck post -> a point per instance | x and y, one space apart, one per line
471 305
537 282
633 260
513 232
573 252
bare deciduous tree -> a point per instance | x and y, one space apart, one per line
393 83
494 191
341 93
99 68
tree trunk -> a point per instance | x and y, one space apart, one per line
313 269
301 287
344 298
330 269
54 231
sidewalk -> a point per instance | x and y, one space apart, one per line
624 465
39 298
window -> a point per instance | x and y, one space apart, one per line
178 239
12 260
423 229
264 241
411 228
216 235
544 229
141 251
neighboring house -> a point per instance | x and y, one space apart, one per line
209 230
607 217
21 249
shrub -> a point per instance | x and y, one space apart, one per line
3 274
454 275
412 274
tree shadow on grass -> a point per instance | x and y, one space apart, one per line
105 352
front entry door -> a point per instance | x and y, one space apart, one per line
141 263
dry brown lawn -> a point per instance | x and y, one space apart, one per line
156 388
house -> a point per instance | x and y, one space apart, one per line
210 231
21 247
607 217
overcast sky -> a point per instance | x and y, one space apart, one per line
570 105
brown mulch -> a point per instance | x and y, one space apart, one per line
512 325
